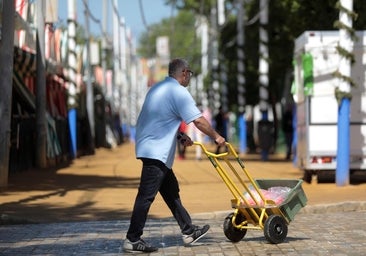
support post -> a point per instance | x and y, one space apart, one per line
72 102
6 76
89 85
343 151
263 67
41 121
240 76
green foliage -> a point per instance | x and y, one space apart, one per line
341 94
360 9
344 52
80 36
183 41
202 7
287 20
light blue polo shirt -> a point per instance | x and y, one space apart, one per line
167 103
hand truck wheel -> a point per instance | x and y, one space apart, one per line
232 233
275 229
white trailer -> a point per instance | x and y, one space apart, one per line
317 107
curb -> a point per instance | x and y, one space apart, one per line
309 209
336 207
351 206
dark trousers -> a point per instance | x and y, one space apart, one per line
156 177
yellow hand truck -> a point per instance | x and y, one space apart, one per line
252 210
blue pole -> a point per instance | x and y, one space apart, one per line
72 128
342 170
294 141
242 134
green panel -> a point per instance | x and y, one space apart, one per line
295 200
307 65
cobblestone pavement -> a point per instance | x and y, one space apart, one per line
311 233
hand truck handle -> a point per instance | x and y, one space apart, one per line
229 147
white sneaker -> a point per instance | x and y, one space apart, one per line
196 235
138 246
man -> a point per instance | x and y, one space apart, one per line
166 105
288 129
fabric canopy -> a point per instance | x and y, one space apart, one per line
28 99
25 68
24 62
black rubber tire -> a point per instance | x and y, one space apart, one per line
275 229
232 233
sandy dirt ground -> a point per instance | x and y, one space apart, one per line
103 186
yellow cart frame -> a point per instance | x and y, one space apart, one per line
260 213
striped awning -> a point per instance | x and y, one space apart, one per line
24 93
24 62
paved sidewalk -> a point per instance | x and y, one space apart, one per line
335 233
83 209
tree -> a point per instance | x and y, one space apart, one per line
183 41
287 20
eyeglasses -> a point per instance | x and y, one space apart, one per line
189 71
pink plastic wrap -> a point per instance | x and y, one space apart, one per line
276 194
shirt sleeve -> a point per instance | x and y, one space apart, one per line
186 106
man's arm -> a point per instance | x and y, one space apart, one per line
204 126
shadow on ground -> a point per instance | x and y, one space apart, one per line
48 184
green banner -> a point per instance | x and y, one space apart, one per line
307 65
